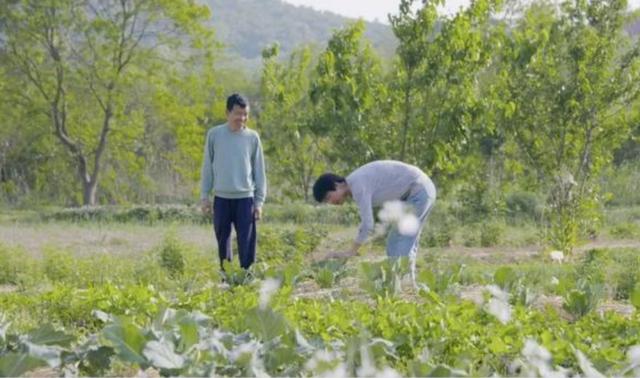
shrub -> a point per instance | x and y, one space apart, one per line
170 254
491 233
523 204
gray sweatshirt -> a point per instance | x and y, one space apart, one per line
233 165
377 182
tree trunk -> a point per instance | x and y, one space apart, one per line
407 115
89 192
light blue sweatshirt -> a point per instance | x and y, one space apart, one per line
380 181
233 165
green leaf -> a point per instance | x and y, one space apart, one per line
98 361
505 276
446 371
265 324
16 364
127 340
162 355
635 296
47 335
188 333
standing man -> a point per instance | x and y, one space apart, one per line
375 184
233 167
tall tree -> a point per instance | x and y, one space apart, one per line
285 120
350 99
76 61
438 101
571 75
415 32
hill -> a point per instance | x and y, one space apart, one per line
246 27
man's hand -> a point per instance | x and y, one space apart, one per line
205 205
257 213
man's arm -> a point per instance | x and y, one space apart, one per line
260 179
363 200
206 175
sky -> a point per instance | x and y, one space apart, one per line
372 10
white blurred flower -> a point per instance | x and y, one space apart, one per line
633 354
321 364
501 310
388 372
498 293
586 366
408 224
391 211
268 287
498 306
320 356
243 349
340 371
555 281
556 256
537 361
367 367
533 351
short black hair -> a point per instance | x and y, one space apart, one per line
324 184
236 99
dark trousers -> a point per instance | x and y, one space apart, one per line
238 212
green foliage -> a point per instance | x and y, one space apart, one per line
567 80
327 273
583 299
16 268
441 279
141 214
491 233
626 230
286 121
523 204
170 254
616 270
383 279
349 99
88 72
59 266
189 325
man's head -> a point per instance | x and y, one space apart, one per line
237 111
330 188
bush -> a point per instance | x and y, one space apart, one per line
139 214
171 258
523 204
491 233
627 230
59 266
16 267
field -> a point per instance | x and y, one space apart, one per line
140 293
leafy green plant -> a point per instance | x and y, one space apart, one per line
584 298
383 279
170 254
491 233
59 265
327 273
627 230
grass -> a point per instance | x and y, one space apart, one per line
62 272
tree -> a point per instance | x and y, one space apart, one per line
437 102
569 79
76 61
285 121
415 32
350 99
